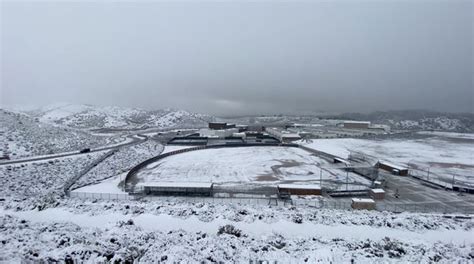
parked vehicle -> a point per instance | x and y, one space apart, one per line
86 150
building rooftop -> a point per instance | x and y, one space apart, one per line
300 186
362 200
177 184
378 191
395 166
218 123
357 122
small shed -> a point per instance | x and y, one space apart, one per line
377 194
393 168
299 189
177 188
377 184
363 204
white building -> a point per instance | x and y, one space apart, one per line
222 133
282 135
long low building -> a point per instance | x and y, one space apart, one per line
299 189
393 168
223 133
177 188
356 124
282 135
220 125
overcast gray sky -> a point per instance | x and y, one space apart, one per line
240 58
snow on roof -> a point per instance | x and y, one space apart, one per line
342 160
300 186
290 135
177 184
362 200
218 123
395 166
378 191
357 122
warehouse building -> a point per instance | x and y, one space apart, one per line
356 124
221 133
283 135
295 189
393 168
220 125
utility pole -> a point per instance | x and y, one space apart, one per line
347 180
321 178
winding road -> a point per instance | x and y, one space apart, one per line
134 139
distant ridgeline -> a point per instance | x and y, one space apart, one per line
417 119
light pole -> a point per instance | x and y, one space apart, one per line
321 178
347 180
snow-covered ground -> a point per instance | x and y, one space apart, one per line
171 231
98 117
174 230
23 136
111 185
40 179
257 165
39 224
169 148
448 134
120 162
441 154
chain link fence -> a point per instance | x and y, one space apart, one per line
102 196
449 180
338 204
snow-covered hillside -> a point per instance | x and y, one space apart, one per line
96 117
419 120
398 120
24 136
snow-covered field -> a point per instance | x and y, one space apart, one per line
257 165
444 154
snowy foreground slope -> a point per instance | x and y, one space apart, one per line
172 231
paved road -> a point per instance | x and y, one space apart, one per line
135 139
412 190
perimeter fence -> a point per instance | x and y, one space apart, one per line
338 204
449 180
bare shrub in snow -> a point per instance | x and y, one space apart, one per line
230 230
